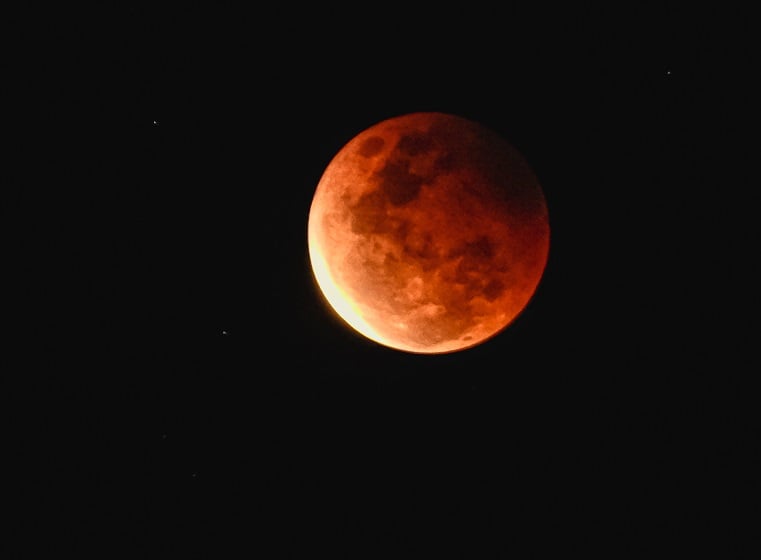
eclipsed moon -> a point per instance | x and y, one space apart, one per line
428 233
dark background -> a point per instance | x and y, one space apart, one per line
176 385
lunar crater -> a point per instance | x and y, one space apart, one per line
397 182
371 147
415 144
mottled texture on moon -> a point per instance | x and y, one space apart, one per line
428 233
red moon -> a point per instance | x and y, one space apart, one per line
428 233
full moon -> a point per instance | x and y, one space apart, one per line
428 233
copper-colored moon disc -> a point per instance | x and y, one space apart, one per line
428 233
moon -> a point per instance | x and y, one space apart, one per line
428 233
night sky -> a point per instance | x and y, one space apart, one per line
177 387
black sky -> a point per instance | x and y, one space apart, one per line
178 387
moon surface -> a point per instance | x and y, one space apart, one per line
428 233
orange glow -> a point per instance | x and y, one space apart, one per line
428 233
